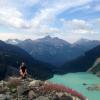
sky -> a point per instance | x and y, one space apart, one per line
67 19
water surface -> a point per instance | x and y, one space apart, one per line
76 80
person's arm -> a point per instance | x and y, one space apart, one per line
25 71
20 69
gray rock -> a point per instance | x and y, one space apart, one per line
35 83
98 74
42 98
13 90
60 94
5 97
55 97
22 89
94 88
64 97
2 97
31 95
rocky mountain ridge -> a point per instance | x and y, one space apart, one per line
83 63
54 50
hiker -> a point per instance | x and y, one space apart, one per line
23 70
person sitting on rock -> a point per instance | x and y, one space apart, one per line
23 70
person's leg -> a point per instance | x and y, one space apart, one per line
23 76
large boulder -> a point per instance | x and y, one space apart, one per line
5 97
31 95
36 83
42 98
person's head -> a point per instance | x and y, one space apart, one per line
22 64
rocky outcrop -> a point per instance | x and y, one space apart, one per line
29 89
95 87
95 69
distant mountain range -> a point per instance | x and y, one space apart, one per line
13 41
12 56
54 50
80 56
86 44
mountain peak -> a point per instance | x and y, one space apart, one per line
28 40
87 42
82 40
48 37
53 41
13 41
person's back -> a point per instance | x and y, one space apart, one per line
23 70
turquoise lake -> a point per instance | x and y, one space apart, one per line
76 80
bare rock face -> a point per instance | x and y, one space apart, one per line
98 74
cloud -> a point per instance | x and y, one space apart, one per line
11 14
46 20
97 7
18 3
11 17
75 29
48 14
96 21
74 37
77 26
45 16
49 30
30 2
7 35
